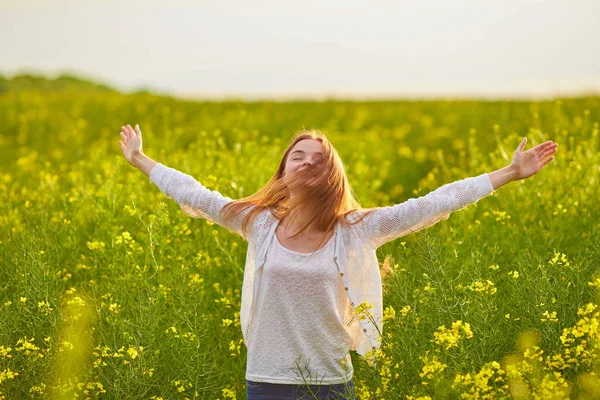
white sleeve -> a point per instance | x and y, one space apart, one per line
194 198
391 222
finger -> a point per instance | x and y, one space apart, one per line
546 162
522 144
549 150
545 145
122 145
123 136
131 131
138 130
546 153
125 132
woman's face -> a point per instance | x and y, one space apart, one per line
303 154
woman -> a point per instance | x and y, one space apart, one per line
312 286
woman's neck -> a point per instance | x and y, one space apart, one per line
295 221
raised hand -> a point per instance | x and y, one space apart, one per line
131 142
530 162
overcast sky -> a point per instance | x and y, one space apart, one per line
309 48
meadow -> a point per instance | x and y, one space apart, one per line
108 290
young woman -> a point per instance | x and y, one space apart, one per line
312 286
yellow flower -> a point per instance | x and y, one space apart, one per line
44 306
451 337
78 301
132 353
171 329
501 216
228 393
7 374
486 288
95 245
4 352
430 367
362 310
533 353
587 309
481 385
595 283
549 317
559 259
67 345
405 310
27 346
389 313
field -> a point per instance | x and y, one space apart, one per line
108 290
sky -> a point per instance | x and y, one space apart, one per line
257 49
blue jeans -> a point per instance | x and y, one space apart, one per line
279 391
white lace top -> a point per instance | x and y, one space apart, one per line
300 320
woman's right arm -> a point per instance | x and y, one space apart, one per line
193 197
143 163
131 144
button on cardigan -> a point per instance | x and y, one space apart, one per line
354 245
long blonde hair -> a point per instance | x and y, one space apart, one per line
323 187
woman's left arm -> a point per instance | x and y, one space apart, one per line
385 224
502 176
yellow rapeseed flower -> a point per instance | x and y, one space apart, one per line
431 366
549 317
451 337
95 245
486 287
226 322
133 353
595 283
389 313
405 310
559 259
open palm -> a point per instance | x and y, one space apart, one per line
530 162
131 142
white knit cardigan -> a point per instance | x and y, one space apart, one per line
354 245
